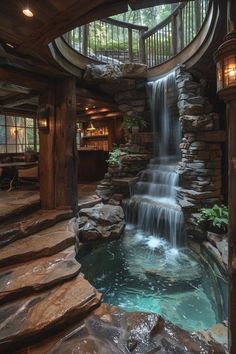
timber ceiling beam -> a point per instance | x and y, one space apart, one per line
98 116
19 111
20 99
5 86
23 78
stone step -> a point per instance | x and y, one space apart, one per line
44 243
30 224
38 275
89 202
17 203
30 317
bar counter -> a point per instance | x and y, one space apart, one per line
92 164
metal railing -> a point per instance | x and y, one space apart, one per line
112 41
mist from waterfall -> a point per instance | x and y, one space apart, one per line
153 207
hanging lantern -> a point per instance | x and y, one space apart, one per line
225 59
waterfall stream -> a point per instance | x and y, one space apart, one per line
153 207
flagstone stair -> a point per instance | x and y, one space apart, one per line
41 287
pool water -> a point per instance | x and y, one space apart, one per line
140 272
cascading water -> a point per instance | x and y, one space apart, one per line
153 206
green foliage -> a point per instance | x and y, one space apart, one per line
150 16
214 219
114 157
130 122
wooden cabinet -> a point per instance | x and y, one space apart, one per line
99 142
92 165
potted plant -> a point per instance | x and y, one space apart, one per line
133 123
214 220
114 160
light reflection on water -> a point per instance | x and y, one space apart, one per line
141 272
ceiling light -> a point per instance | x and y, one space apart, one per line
10 45
86 108
27 12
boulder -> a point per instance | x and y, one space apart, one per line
105 72
133 70
102 222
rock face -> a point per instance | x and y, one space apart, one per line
27 317
101 222
110 330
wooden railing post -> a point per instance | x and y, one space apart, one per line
179 31
142 47
174 37
197 6
85 39
130 45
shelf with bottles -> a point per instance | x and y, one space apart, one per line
103 136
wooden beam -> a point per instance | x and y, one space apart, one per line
84 117
66 155
23 78
19 99
13 88
19 111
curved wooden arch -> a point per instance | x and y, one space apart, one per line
201 45
212 31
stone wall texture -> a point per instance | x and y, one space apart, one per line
200 168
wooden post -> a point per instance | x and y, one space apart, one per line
85 40
179 31
65 146
231 109
130 44
174 35
142 47
46 152
197 6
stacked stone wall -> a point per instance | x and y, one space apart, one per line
200 168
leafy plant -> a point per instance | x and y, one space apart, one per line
214 219
114 157
130 122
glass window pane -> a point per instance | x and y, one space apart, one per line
2 135
2 119
20 121
20 139
2 149
10 120
29 122
29 136
11 148
11 135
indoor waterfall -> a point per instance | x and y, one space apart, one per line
153 207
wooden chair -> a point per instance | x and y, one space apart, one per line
28 176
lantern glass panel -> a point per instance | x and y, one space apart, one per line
219 76
230 71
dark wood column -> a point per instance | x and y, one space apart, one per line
58 153
231 109
47 151
65 147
